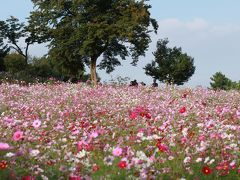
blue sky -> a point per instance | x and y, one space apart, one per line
208 30
215 11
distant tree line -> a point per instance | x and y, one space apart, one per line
220 82
87 33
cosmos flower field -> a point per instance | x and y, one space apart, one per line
75 131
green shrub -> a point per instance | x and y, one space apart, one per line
14 63
221 82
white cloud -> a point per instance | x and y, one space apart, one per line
197 24
170 23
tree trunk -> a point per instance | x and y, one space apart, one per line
26 60
26 53
93 67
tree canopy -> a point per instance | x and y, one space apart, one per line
91 28
170 66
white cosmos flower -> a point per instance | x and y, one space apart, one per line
185 132
9 155
198 160
212 161
206 159
141 155
44 177
81 154
186 160
232 163
34 153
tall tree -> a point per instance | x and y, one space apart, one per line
170 66
111 28
12 30
3 52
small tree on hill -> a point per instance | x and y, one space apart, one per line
170 66
220 81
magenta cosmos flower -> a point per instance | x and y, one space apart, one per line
18 135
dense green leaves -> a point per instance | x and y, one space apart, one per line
91 28
14 63
3 52
170 65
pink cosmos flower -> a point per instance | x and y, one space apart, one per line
152 158
183 140
80 145
18 135
201 137
117 151
59 127
8 119
238 113
37 123
4 146
215 136
94 135
75 132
